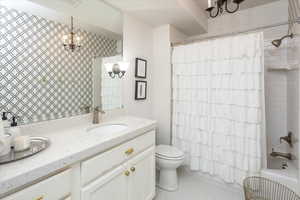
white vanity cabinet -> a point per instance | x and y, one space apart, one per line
124 172
129 176
134 180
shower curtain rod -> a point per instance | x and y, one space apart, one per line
232 33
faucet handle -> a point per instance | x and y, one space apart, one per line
4 115
86 109
98 109
15 120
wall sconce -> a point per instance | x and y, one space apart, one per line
216 7
117 69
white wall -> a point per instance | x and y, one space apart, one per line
293 111
276 111
137 42
162 38
153 44
162 83
282 112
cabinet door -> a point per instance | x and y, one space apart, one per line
111 186
142 176
56 187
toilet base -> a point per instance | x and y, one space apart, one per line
168 180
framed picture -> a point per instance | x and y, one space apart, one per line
140 68
140 90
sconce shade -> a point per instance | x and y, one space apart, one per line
117 69
217 7
108 67
123 65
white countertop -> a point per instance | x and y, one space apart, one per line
70 143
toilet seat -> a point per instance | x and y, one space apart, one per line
169 152
168 158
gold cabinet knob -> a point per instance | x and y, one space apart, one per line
40 198
132 169
129 151
127 173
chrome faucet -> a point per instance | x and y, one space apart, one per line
96 117
275 154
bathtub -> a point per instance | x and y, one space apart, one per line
287 177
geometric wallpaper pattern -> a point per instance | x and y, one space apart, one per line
39 80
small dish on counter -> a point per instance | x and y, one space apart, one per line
37 144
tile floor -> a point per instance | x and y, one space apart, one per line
197 187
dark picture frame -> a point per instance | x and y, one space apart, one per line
140 68
140 90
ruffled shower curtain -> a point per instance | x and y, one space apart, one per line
218 105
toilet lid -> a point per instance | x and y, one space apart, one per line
168 151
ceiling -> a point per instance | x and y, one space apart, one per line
186 15
246 4
91 15
189 16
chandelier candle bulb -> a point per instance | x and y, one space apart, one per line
78 39
65 39
209 3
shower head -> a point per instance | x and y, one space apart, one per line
278 42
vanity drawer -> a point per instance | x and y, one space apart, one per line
55 188
98 165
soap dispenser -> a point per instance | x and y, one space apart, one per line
5 121
14 130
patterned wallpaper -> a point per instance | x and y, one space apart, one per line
39 80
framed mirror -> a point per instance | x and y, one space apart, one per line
43 79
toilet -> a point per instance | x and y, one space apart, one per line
168 159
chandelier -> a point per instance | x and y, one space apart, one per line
71 41
216 7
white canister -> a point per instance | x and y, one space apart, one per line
21 143
5 144
13 131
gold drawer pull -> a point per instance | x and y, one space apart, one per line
40 198
127 173
132 169
129 151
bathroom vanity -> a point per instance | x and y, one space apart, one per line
85 164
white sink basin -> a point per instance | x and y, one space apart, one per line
107 128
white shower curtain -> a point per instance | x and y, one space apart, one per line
218 105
